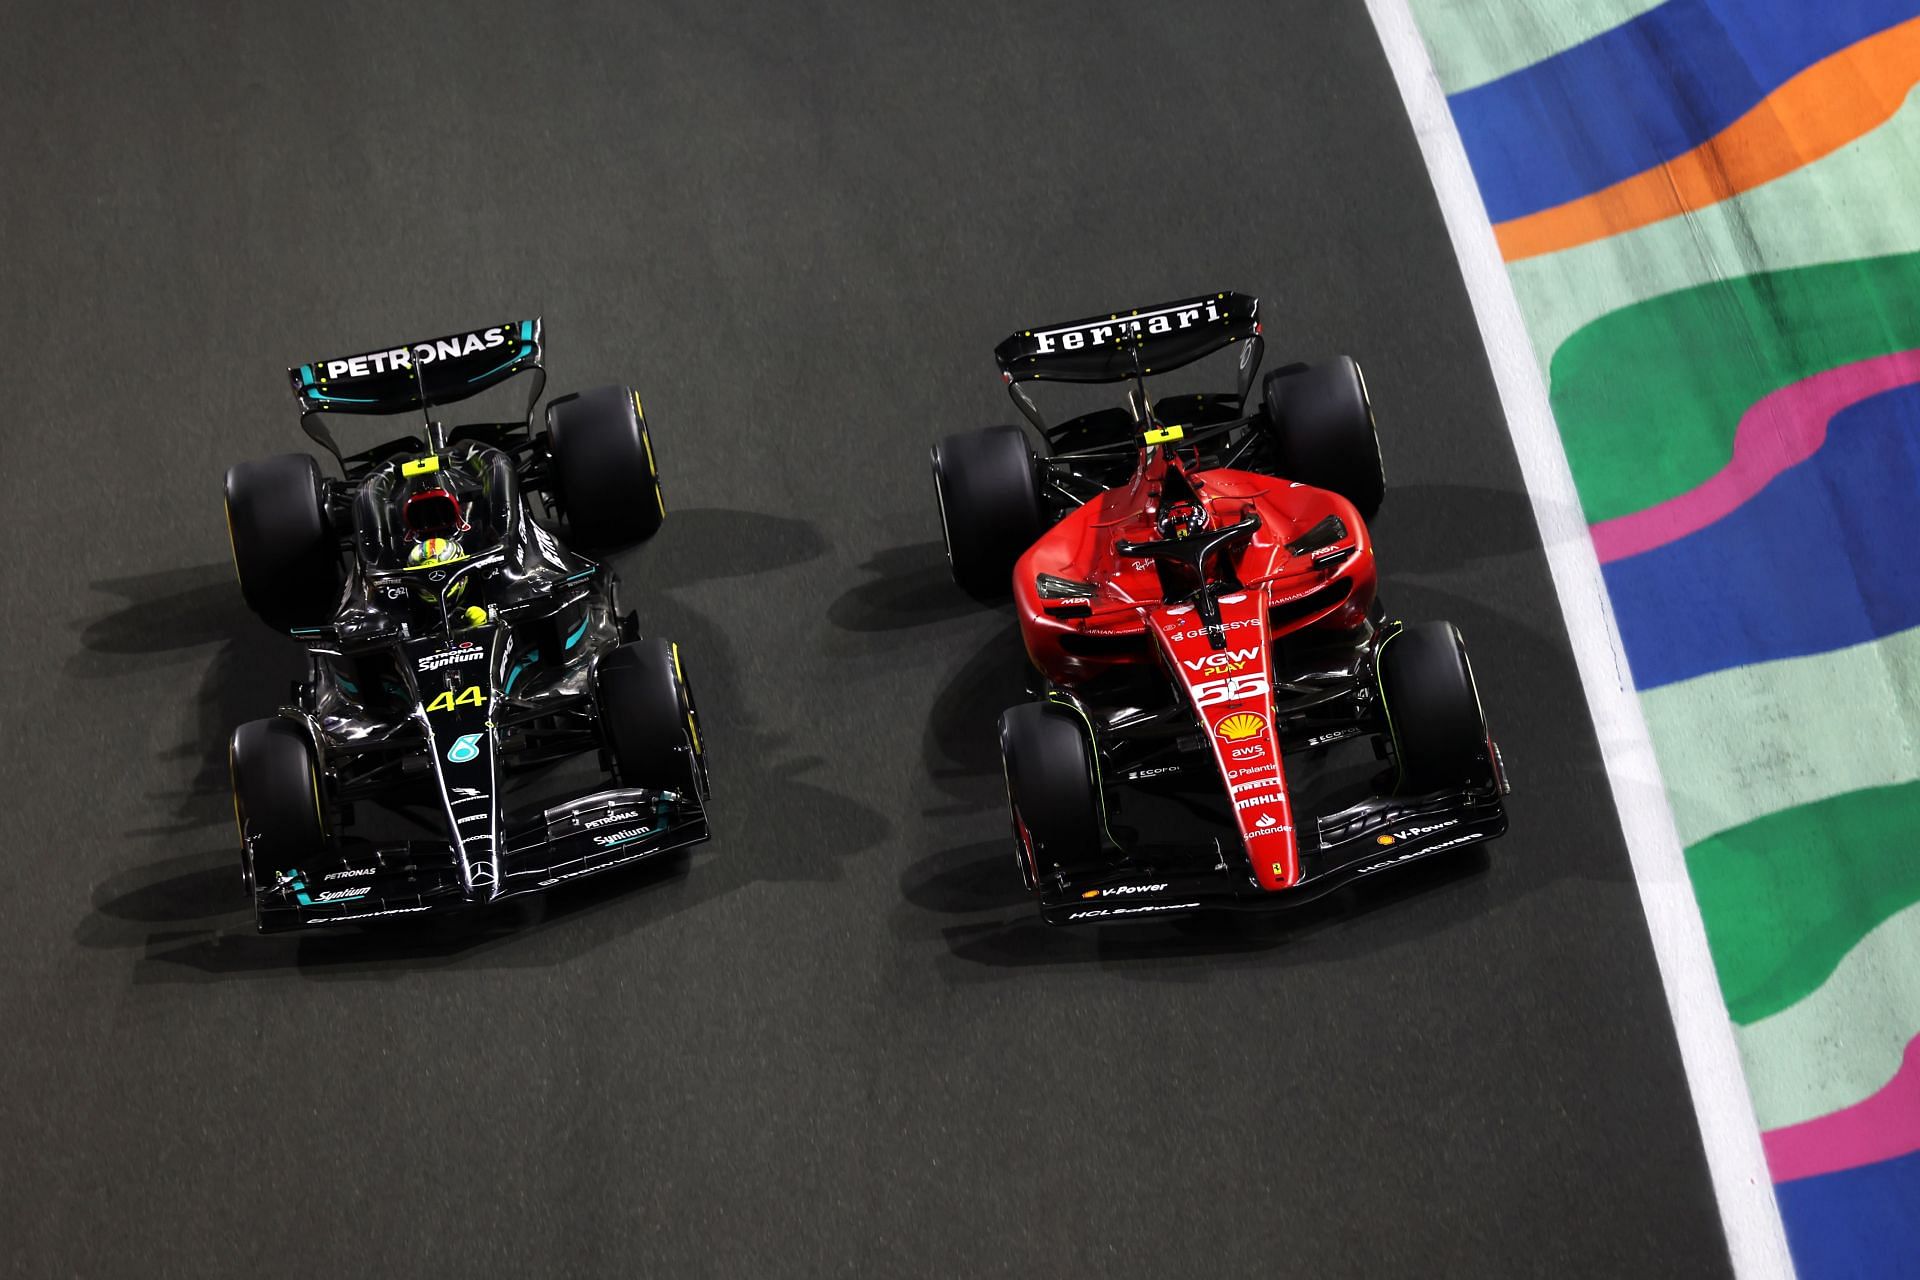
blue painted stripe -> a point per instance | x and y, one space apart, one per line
1820 559
1860 1223
1645 92
314 393
578 631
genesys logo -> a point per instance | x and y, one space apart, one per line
468 651
1121 890
1200 633
454 348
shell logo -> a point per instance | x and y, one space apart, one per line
1240 726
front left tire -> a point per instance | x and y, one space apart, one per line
649 721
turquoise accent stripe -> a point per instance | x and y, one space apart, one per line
578 631
524 353
306 375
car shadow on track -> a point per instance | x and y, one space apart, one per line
185 913
911 587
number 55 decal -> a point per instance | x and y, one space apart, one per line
464 748
1253 686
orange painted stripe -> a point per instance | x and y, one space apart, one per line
1818 111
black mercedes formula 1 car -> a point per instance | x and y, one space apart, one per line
454 643
1215 681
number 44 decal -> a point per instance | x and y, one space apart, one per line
468 697
1212 691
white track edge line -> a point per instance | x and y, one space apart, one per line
1736 1163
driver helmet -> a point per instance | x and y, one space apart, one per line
434 551
1181 519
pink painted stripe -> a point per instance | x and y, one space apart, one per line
1780 431
1878 1128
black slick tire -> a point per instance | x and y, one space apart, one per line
1052 787
1323 431
605 475
276 800
1433 709
988 487
647 714
284 548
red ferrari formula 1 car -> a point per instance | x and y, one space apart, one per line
1195 584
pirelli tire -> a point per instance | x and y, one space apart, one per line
649 720
1323 430
1052 789
988 486
277 800
285 550
606 477
1432 708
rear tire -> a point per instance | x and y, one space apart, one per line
1433 709
990 511
284 548
1323 430
1052 789
276 799
604 471
647 714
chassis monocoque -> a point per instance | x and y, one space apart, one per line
455 643
1194 580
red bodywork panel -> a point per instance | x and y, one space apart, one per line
1130 623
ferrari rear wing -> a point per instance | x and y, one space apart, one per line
1136 342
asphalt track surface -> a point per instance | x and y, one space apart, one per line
836 1040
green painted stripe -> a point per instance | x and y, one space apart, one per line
1737 745
1786 897
1474 41
1648 397
1844 1042
1861 198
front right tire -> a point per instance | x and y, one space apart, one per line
276 799
1053 789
